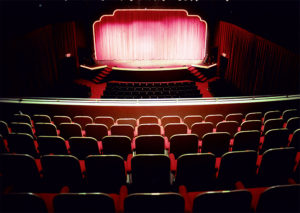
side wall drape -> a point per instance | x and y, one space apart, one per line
257 66
31 62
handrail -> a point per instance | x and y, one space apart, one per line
149 102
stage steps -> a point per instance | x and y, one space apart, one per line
102 75
198 74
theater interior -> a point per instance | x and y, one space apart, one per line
149 106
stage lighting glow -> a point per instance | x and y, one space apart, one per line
152 34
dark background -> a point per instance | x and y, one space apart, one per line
277 21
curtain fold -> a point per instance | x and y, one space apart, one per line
257 66
150 35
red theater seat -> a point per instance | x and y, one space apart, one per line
97 131
20 173
82 120
52 145
83 202
45 129
196 172
216 143
106 120
201 129
154 202
237 166
238 117
81 147
58 119
276 166
149 144
246 140
105 173
23 202
22 143
68 130
223 201
150 173
191 119
61 171
123 129
37 118
215 119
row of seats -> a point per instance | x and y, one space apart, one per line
151 90
189 119
217 143
281 198
148 173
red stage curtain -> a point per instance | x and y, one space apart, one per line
257 66
150 35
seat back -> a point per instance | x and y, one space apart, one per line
289 113
129 121
293 124
23 202
106 120
21 118
246 140
154 202
191 119
253 116
52 145
284 198
149 129
215 119
60 171
251 125
238 117
21 143
273 123
81 147
216 143
276 166
20 172
275 138
116 145
183 144
170 119
201 129
148 119
58 119
97 131
37 118
271 115
83 202
223 201
149 144
68 130
4 129
150 173
3 148
175 128
45 129
228 126
196 171
105 173
295 141
123 129
237 166
21 128
82 120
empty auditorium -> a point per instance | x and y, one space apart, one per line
149 106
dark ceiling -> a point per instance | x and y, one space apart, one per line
276 20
